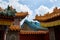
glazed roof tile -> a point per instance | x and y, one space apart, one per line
14 28
33 32
21 14
55 13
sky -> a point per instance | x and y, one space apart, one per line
33 7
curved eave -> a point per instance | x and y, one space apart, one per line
50 24
33 32
14 28
47 17
21 14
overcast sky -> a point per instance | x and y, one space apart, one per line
33 7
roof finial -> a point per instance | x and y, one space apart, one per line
55 9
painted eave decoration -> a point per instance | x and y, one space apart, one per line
50 24
6 22
50 19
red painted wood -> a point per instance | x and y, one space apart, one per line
34 36
46 37
1 35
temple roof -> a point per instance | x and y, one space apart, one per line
21 14
50 19
54 15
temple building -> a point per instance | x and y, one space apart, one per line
52 22
33 31
10 23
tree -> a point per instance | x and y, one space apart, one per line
8 11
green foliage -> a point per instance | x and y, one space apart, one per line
8 12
